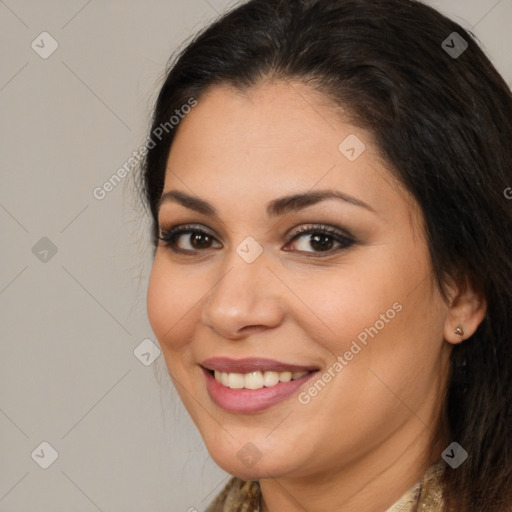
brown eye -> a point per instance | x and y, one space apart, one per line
185 239
321 239
199 240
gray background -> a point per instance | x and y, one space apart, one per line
70 321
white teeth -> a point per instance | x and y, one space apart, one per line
255 380
236 380
270 379
285 376
222 377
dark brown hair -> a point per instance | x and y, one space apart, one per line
443 122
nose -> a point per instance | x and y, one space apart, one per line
247 298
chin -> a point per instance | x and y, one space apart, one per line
250 462
261 469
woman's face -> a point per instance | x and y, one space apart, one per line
351 315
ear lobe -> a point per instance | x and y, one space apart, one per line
468 309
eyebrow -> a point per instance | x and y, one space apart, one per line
274 208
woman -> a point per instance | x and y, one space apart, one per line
332 276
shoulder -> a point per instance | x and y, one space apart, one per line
237 496
431 496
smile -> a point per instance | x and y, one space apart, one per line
252 385
256 380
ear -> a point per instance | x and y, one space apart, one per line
467 309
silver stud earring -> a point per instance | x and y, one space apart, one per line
459 331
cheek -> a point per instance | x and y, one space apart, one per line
384 303
340 304
170 306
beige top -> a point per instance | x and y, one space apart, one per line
424 495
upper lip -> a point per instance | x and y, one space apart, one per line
247 365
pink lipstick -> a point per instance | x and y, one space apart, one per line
253 384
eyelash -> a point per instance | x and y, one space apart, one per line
169 235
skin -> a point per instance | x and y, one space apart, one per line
366 438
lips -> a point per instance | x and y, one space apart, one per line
252 385
227 365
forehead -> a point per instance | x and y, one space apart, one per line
264 120
273 139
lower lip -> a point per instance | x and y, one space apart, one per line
251 400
